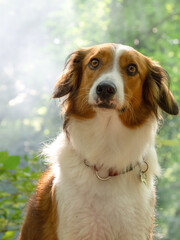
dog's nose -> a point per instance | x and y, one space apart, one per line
106 90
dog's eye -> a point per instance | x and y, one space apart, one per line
131 70
94 63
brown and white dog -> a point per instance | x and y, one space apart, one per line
100 184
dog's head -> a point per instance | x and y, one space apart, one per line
111 76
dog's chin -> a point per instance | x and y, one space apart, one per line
105 105
109 106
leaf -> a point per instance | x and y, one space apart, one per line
26 169
12 162
3 156
8 235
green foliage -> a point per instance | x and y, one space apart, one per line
17 184
9 162
8 235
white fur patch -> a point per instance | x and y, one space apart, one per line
104 140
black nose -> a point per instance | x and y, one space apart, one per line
106 90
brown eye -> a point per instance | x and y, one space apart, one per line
94 63
131 70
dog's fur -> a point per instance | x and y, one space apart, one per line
105 136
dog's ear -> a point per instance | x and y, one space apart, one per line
156 91
70 78
167 101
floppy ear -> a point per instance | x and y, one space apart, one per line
156 90
63 85
70 78
167 101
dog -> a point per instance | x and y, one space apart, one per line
100 184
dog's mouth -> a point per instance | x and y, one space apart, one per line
108 104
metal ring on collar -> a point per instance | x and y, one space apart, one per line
102 178
147 167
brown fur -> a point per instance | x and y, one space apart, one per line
41 218
137 109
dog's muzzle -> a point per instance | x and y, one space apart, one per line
105 92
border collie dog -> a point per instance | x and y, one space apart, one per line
100 184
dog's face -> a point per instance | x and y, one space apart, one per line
111 76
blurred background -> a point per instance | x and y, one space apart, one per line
35 39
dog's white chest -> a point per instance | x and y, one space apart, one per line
118 209
103 211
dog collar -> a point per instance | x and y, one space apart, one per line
112 173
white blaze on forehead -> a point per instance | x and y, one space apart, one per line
113 75
120 49
118 79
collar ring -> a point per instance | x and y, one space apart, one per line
102 178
